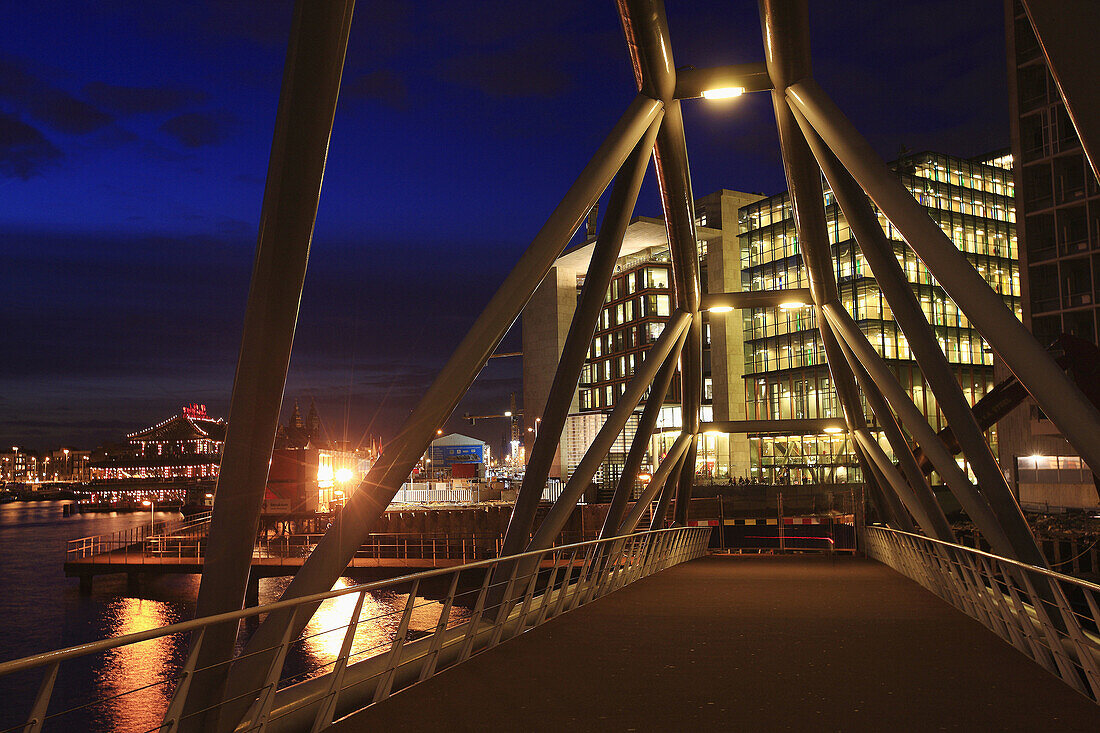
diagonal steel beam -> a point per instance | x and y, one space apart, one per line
660 478
299 149
332 554
1056 394
646 30
666 347
657 519
937 523
624 194
625 486
889 472
891 280
972 501
787 54
886 484
1067 32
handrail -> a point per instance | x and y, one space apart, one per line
78 650
1050 617
999 558
276 699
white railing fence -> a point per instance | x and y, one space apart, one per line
361 643
1050 617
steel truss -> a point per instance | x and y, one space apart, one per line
814 137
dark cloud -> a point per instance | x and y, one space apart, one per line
384 86
24 150
128 100
48 103
66 113
197 129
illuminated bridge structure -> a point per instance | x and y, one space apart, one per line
232 675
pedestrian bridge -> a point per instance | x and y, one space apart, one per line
647 631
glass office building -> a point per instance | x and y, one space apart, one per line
785 375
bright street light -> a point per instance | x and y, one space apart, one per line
723 93
152 507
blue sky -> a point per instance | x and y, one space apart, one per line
133 148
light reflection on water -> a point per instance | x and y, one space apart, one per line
40 610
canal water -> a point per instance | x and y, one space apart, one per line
42 610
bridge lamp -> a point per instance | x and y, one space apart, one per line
833 431
720 309
507 413
792 305
723 93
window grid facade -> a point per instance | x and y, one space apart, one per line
785 372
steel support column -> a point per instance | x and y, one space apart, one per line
638 446
937 522
889 473
881 486
646 30
660 478
657 519
1059 398
903 304
620 206
667 347
972 501
332 554
787 53
303 124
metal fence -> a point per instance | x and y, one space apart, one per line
373 649
136 537
1050 617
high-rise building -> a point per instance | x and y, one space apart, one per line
1058 201
638 302
784 365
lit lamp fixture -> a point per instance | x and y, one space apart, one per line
723 93
834 430
344 475
791 305
721 309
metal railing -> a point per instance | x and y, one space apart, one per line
187 546
1050 617
367 633
86 547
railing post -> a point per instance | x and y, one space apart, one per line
265 701
37 718
432 657
385 684
179 697
475 618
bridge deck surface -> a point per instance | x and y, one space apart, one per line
749 643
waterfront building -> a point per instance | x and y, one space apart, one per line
19 465
309 471
638 301
187 445
785 374
1058 201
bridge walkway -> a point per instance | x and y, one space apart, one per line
747 643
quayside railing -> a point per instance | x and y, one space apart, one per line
1052 618
362 642
188 527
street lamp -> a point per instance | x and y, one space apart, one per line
152 507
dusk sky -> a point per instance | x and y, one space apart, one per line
134 139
